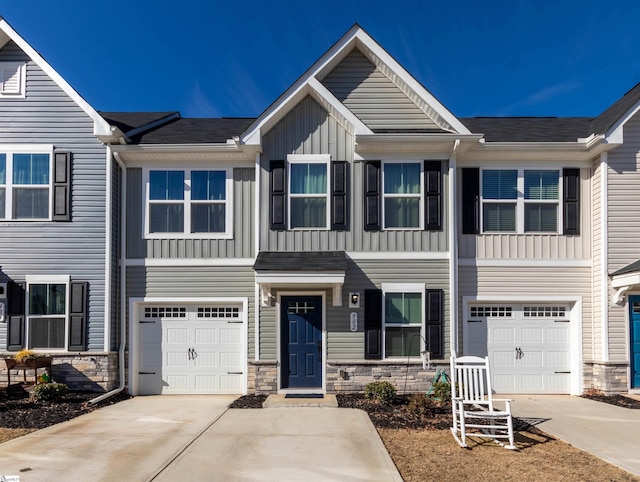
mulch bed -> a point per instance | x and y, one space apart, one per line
618 400
249 401
19 410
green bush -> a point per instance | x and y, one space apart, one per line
441 391
49 391
383 392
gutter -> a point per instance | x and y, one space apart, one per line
123 287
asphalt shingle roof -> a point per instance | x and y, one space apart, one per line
529 129
301 261
635 266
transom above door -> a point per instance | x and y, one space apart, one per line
301 349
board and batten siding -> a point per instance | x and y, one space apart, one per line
623 225
498 282
309 129
342 343
195 282
77 248
535 246
240 246
373 97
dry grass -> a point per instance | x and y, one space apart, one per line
10 433
433 455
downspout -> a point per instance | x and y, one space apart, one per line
256 289
604 256
453 251
123 286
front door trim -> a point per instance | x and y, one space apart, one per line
323 295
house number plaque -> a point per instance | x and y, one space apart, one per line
353 319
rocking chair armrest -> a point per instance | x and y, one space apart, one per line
506 401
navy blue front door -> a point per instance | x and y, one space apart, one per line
634 335
301 318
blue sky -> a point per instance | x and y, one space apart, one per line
209 58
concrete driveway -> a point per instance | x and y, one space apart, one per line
607 431
168 438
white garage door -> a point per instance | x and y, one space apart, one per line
527 344
190 349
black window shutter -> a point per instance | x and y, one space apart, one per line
433 195
470 200
373 324
339 195
78 317
435 320
372 212
61 186
278 194
571 201
15 319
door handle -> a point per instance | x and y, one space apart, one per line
519 353
189 353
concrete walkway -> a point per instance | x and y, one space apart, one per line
609 432
196 438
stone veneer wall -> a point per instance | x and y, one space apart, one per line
350 375
608 376
96 372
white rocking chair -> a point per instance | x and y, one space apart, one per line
474 413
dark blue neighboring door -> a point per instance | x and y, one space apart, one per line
634 335
301 318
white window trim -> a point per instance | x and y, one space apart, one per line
54 279
22 80
383 196
309 159
402 288
10 150
186 233
520 201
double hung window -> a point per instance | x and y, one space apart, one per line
308 193
192 202
25 185
402 206
403 321
520 201
47 313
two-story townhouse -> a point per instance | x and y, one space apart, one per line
55 224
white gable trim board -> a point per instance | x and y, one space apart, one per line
529 353
188 345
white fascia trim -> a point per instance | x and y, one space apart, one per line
307 278
190 262
100 126
604 254
407 255
334 106
403 287
527 263
615 135
48 279
410 81
626 280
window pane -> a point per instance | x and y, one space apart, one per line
3 168
29 203
208 185
500 184
2 203
402 178
403 341
166 185
308 212
403 308
541 217
308 179
47 299
207 218
401 213
166 218
46 333
31 168
499 217
541 184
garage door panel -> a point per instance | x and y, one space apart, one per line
502 335
177 382
558 382
177 359
503 358
531 335
230 360
206 359
557 359
533 381
230 383
177 335
558 335
532 359
206 335
206 382
504 383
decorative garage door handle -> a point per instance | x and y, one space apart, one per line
519 354
192 354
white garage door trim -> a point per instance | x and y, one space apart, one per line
135 305
575 327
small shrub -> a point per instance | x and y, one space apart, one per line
593 392
420 404
49 391
441 391
383 392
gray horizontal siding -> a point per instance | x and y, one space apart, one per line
308 129
241 246
77 248
342 343
195 282
373 97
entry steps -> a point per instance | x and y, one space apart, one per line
282 401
